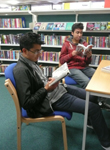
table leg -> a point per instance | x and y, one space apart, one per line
85 121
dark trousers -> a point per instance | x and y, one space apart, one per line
74 101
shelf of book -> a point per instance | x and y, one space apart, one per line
51 12
3 59
15 29
2 73
93 65
55 46
60 46
70 31
14 13
74 11
9 44
48 62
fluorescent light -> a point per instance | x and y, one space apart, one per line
13 2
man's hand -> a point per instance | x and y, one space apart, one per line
88 53
52 87
76 53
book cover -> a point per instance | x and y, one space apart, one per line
43 26
37 26
56 25
23 22
62 26
103 25
90 26
1 23
97 25
50 26
106 69
108 26
84 25
60 73
69 25
83 49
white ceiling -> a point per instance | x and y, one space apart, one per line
25 2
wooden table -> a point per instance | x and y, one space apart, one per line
99 85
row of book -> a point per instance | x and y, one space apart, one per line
96 41
50 56
88 26
3 67
96 59
10 39
12 22
53 26
9 54
47 70
53 39
14 54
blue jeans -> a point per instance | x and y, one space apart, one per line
74 101
81 76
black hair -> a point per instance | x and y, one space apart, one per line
77 26
29 39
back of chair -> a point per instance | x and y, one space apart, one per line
9 73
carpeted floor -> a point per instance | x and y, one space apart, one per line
42 136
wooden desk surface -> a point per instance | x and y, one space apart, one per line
100 82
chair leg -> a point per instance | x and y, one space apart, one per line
64 135
19 137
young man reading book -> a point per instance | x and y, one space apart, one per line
39 99
76 60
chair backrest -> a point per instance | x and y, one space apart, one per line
9 73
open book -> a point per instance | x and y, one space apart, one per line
83 49
60 73
106 69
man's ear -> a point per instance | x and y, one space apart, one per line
71 33
24 50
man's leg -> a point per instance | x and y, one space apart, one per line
79 77
71 103
88 71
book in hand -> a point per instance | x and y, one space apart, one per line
83 49
106 69
60 73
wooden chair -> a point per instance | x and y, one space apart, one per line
56 116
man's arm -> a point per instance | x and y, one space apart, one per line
64 56
23 85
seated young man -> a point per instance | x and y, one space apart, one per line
77 62
39 99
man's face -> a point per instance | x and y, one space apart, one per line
77 34
34 53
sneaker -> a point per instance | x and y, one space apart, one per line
106 148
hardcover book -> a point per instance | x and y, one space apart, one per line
37 26
90 26
97 25
103 25
106 69
108 26
43 26
62 26
56 25
50 26
69 25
